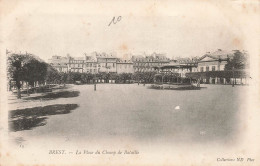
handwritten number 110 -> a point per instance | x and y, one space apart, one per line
114 20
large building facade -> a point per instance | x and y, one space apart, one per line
147 63
215 61
211 68
124 66
91 65
60 63
76 65
106 63
95 62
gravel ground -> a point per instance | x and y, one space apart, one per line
130 111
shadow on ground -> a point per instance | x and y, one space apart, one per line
55 95
26 119
61 87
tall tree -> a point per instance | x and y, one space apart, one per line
35 71
25 67
16 70
52 75
238 62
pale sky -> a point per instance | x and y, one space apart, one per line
47 28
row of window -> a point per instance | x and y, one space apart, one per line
149 64
81 70
77 61
149 60
145 69
113 64
90 65
176 70
125 66
76 70
82 65
75 65
201 69
90 70
108 64
207 68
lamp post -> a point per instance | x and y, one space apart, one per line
95 85
137 80
233 76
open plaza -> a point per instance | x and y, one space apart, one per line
131 111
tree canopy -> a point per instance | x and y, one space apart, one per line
28 68
239 61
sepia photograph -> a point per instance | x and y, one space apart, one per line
129 82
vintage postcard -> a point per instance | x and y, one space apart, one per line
129 82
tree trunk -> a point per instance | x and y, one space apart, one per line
18 85
34 84
10 85
18 93
27 83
